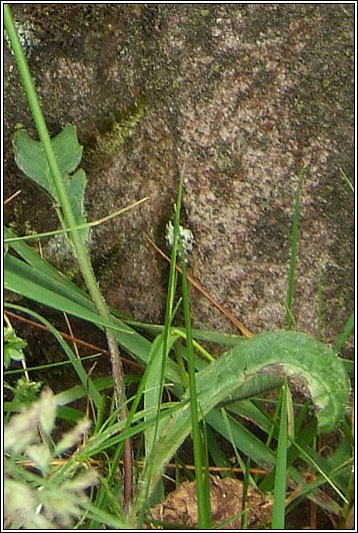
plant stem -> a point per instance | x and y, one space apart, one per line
278 511
143 495
203 496
293 256
70 222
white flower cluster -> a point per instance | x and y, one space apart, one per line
186 236
27 37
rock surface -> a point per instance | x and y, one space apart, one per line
244 96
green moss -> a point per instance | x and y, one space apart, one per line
20 224
339 301
299 104
115 129
224 158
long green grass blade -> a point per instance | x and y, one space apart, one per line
347 180
47 286
278 512
140 507
245 487
153 389
217 453
36 368
293 256
203 335
347 331
22 279
203 494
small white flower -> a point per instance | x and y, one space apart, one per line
186 236
27 37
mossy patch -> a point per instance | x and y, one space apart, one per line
113 132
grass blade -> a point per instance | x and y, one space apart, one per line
347 180
203 494
294 240
245 487
278 512
142 500
348 329
22 279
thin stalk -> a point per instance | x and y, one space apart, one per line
278 511
244 506
244 331
319 305
80 226
202 494
118 454
293 256
70 222
347 180
347 331
142 499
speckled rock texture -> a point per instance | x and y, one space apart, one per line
245 95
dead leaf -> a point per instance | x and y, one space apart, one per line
180 506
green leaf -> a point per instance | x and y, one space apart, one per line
13 346
31 159
22 279
153 386
76 191
44 273
24 392
309 366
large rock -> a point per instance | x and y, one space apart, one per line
245 95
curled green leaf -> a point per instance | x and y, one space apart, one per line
254 366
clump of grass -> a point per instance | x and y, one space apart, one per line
45 496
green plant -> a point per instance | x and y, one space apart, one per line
39 498
13 346
52 173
